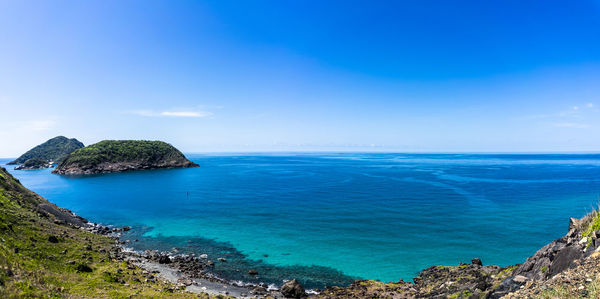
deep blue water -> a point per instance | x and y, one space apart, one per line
327 218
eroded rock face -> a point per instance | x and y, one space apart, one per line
293 289
564 259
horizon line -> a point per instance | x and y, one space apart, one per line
389 152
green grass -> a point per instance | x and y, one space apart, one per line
463 294
555 293
593 225
42 259
592 291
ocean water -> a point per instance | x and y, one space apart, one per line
330 218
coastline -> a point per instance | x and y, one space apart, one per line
187 272
547 266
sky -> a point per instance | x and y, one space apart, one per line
246 76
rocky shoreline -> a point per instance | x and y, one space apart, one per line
187 272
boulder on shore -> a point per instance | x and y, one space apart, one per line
293 289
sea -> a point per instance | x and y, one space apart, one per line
330 218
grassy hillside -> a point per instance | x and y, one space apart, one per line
43 256
55 149
125 151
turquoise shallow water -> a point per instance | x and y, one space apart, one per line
329 218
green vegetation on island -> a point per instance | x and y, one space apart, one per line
43 254
123 155
52 151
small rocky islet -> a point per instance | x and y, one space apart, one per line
122 155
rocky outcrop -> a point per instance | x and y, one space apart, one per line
293 289
554 258
459 281
123 155
441 282
581 281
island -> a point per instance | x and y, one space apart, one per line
48 153
122 155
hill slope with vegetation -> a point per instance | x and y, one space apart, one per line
45 254
123 155
53 150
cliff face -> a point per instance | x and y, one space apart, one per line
54 150
123 155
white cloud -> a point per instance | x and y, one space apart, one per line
185 113
172 113
572 125
590 105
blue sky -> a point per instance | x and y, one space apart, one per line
211 76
